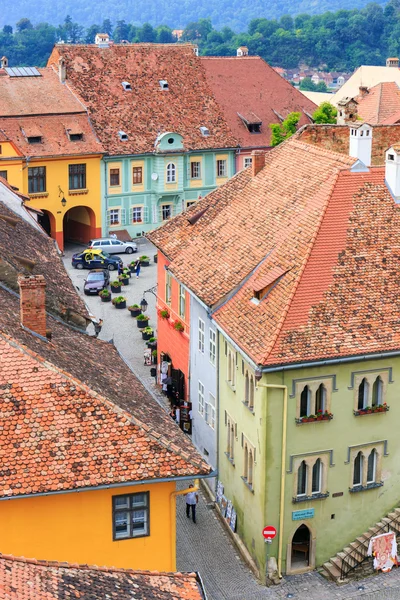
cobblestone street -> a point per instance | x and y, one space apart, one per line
206 547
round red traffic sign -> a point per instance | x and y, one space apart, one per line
269 532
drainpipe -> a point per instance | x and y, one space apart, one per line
283 467
173 515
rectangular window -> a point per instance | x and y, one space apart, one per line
131 516
137 175
137 214
210 411
113 216
168 287
213 346
190 203
77 177
231 433
3 174
247 162
201 398
182 301
195 170
114 177
36 180
166 212
201 335
221 168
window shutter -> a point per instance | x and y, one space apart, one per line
108 218
123 211
154 214
145 214
131 215
242 440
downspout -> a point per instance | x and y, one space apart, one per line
173 516
283 466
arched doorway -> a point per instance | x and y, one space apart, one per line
48 222
79 224
301 550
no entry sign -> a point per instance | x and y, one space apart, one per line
269 532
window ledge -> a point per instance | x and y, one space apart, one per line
363 488
229 384
231 460
78 192
298 499
247 484
302 420
246 404
372 411
39 195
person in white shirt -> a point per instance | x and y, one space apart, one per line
191 501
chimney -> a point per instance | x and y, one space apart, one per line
257 162
392 62
392 171
32 303
3 62
242 51
102 40
361 143
362 91
62 70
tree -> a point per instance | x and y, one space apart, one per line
307 85
147 34
321 87
121 31
91 34
164 35
325 113
285 130
7 30
106 27
24 24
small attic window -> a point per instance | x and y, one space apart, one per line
254 127
127 86
75 137
163 84
265 284
34 139
205 132
123 136
390 156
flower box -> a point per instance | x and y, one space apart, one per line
327 416
380 408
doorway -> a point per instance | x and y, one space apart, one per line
301 546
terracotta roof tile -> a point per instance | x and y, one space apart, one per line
27 578
381 105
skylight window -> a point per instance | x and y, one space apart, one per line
163 84
35 139
123 136
205 132
127 86
76 137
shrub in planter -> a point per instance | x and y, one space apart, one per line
135 310
126 271
132 266
124 279
178 325
105 295
119 302
154 357
155 258
144 261
142 321
164 313
116 287
147 333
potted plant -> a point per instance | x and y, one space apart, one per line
144 261
178 326
319 415
154 357
155 258
142 321
126 271
135 310
105 295
147 333
119 302
116 287
132 266
124 279
152 343
164 313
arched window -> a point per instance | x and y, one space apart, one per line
246 388
229 367
316 477
302 479
233 368
320 399
171 173
251 398
231 450
358 469
250 469
363 392
246 463
228 440
371 470
377 392
305 401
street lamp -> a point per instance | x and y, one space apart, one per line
143 305
61 193
63 201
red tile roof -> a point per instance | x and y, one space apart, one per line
381 105
331 230
248 84
96 75
58 434
27 579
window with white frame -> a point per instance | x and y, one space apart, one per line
182 301
137 214
114 177
310 479
210 411
114 216
231 367
249 454
201 398
201 335
195 170
231 434
166 212
367 467
247 161
190 203
213 346
249 390
302 479
370 390
313 399
171 173
221 167
168 280
363 394
131 516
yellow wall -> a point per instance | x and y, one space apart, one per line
114 189
7 149
196 182
77 527
221 180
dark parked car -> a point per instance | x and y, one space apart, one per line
97 280
95 259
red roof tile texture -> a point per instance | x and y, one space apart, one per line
381 105
331 231
31 579
57 434
96 75
249 85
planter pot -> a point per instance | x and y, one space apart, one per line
155 258
125 281
116 289
146 336
142 324
145 263
132 269
106 298
153 372
136 312
152 345
154 360
120 305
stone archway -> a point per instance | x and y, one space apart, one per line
300 555
48 222
79 224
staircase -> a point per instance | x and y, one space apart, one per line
353 562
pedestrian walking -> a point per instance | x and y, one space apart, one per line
191 500
120 268
137 268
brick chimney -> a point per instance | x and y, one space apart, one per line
258 162
32 303
362 91
62 70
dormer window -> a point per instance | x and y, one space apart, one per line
264 285
205 132
127 86
35 139
251 121
123 136
254 127
163 84
75 137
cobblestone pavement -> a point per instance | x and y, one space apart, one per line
206 547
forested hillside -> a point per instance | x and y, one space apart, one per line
333 41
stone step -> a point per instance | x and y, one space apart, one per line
333 571
352 558
358 550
